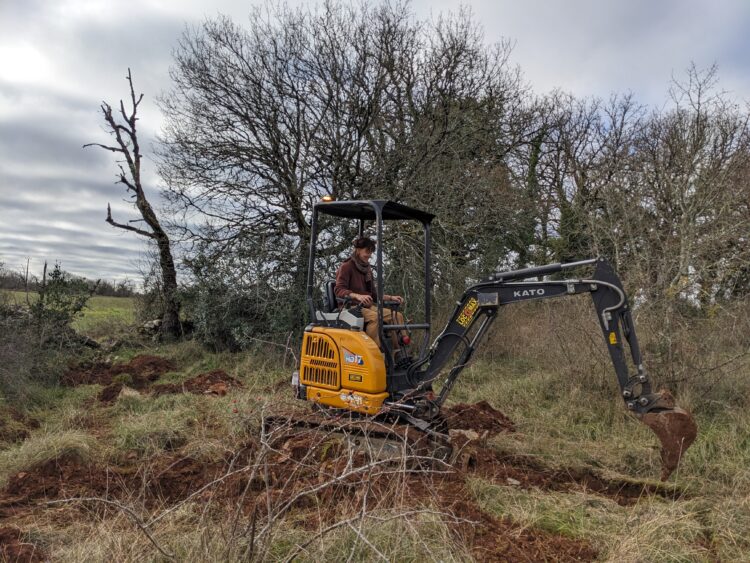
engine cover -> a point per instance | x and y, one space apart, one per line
343 369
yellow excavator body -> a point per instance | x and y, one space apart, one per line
343 369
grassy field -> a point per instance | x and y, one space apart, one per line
569 422
102 315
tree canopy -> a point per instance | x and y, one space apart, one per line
367 101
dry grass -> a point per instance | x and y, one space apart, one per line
189 535
654 529
545 367
41 447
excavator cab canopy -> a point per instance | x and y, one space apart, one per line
378 211
368 210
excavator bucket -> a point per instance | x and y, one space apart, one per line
676 429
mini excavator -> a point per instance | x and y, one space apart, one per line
342 370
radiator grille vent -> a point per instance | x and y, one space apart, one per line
320 348
321 376
320 363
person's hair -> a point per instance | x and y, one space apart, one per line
364 242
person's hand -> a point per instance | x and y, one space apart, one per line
365 300
397 298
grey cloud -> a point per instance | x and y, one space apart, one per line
110 50
62 192
35 140
591 47
81 257
95 252
37 95
53 194
64 220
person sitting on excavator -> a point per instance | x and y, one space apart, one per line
354 280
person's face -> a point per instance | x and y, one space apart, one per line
364 254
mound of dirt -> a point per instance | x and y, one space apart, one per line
216 382
304 472
14 548
526 472
87 374
170 478
56 478
306 459
110 393
495 539
180 477
142 370
479 417
316 475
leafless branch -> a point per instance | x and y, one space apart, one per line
105 147
350 521
127 510
126 227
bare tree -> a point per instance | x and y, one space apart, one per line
693 190
354 102
367 102
122 127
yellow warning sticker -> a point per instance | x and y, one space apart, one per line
612 338
468 313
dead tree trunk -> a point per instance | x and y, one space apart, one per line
123 128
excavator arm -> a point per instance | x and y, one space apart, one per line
477 310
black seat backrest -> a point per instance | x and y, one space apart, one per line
330 303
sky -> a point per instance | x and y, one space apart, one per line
60 58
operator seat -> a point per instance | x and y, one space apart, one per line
330 302
331 316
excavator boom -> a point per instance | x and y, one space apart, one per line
477 309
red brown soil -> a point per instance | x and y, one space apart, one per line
168 479
13 547
57 478
216 382
300 463
496 539
142 370
110 393
479 417
313 478
493 539
489 538
523 471
291 473
527 473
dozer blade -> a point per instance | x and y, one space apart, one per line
675 428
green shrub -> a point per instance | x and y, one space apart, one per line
37 339
227 313
62 298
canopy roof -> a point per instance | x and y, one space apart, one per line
365 209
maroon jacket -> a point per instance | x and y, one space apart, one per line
349 279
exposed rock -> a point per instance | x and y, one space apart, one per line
150 327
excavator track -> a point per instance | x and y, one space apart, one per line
379 439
